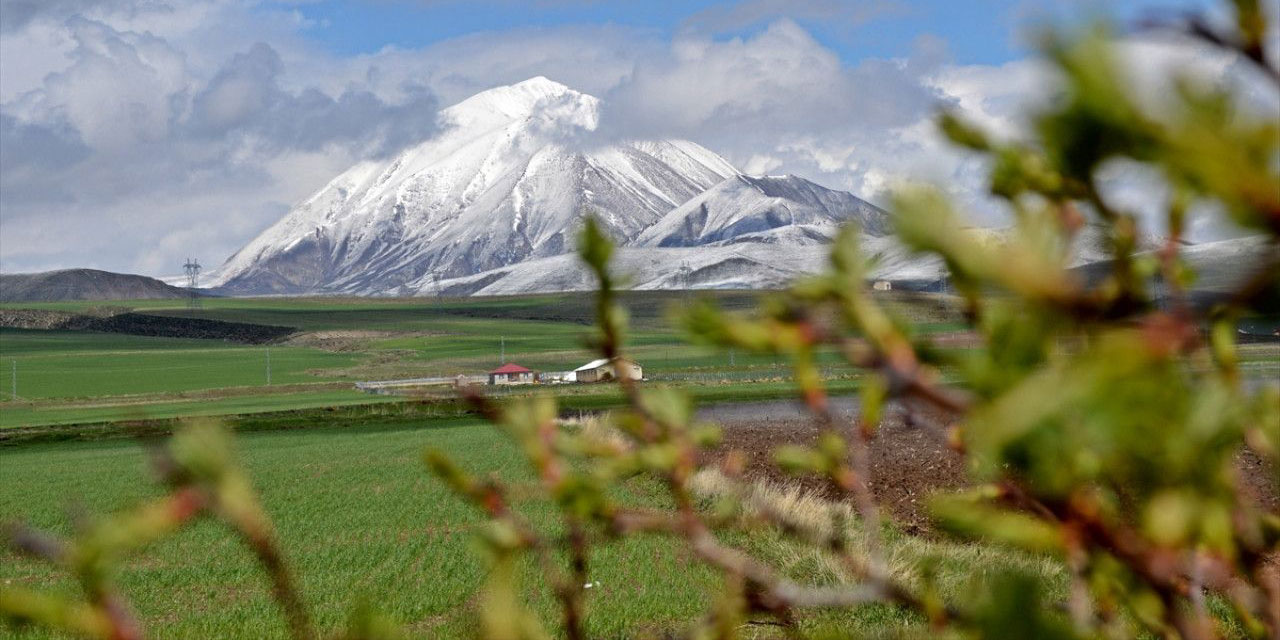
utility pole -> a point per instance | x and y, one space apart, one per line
268 366
14 380
731 362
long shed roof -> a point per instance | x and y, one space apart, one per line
596 364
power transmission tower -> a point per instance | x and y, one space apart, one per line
192 269
504 350
435 285
268 366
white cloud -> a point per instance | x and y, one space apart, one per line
118 90
842 13
783 96
138 141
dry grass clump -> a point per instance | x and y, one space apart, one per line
796 508
597 430
807 522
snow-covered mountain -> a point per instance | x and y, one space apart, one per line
493 203
507 181
745 208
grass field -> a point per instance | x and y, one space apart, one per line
76 376
72 365
340 470
356 510
360 518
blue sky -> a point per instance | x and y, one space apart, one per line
975 31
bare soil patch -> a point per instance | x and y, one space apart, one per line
345 341
1259 480
909 462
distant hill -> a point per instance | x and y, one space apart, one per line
82 284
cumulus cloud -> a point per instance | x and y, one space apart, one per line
245 99
781 101
16 14
119 157
589 58
731 17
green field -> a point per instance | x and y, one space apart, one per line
66 377
361 519
72 365
356 510
77 376
340 470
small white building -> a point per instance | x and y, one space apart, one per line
603 369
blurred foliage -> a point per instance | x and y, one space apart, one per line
1102 416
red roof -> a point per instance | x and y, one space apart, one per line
510 367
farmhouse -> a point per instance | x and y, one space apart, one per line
602 369
511 373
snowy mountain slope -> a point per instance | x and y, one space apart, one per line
718 266
647 268
506 181
763 260
744 208
1221 266
1224 267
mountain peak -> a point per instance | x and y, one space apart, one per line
543 84
517 100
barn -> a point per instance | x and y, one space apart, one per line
602 369
511 373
